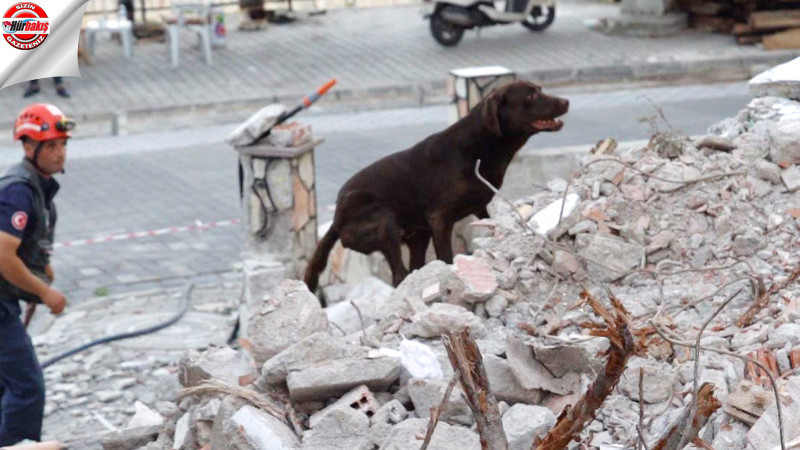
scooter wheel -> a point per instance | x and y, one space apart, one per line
445 34
540 18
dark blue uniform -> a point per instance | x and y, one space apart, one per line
25 202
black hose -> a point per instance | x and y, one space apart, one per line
131 334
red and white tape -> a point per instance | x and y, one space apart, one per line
198 225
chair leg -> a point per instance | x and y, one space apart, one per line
127 42
90 41
172 30
206 36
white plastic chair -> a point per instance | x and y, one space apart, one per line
195 16
117 25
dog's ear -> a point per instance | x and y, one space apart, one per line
489 115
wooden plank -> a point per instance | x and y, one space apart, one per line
748 39
706 8
768 20
785 39
743 28
711 23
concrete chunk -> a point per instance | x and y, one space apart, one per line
616 255
287 314
359 399
445 437
504 385
341 429
253 429
531 374
522 423
427 393
224 364
314 349
443 317
791 178
335 378
369 296
480 282
130 439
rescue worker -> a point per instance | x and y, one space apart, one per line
27 223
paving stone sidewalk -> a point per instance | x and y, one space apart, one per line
376 54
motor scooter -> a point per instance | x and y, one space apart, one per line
449 18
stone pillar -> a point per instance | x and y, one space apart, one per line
467 87
279 205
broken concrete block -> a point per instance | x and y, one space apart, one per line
224 364
657 379
253 429
768 171
288 314
788 332
523 423
480 282
369 296
784 136
608 257
340 429
228 407
505 386
361 399
791 178
496 305
434 273
443 317
445 437
130 439
427 393
531 374
334 378
392 413
144 417
314 349
184 438
578 357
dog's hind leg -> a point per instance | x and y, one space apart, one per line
418 246
442 230
390 247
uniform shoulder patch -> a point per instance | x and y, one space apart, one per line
19 220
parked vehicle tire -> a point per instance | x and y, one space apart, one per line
445 33
540 18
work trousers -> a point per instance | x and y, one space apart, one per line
21 381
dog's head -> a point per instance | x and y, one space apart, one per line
521 108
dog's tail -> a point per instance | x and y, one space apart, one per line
320 259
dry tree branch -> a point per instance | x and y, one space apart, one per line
213 386
706 405
766 370
763 299
572 420
437 412
465 357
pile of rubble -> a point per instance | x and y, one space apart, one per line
683 233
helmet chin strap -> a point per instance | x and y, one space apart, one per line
35 158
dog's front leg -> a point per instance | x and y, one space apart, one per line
442 229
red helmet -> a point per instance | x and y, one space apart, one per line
42 122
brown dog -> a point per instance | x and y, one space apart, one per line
415 194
